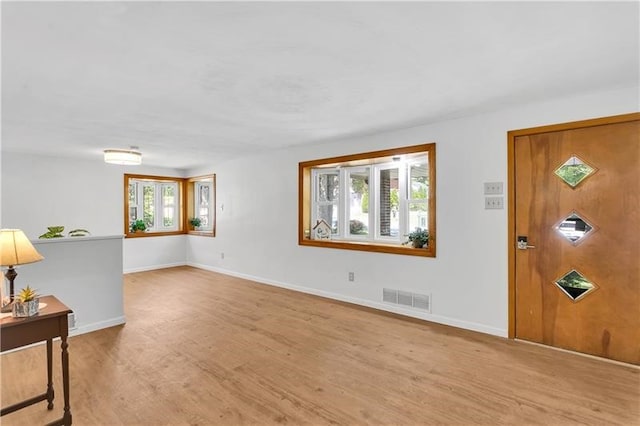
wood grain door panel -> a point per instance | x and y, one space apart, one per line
606 321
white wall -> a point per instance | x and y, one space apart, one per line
257 229
85 273
143 254
40 191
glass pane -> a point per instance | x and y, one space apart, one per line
167 216
418 181
203 195
359 202
574 285
418 215
573 228
203 214
168 195
133 193
389 219
329 213
148 207
328 187
574 171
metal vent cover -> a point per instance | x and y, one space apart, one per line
422 301
389 295
405 298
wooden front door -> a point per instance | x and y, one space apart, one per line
575 235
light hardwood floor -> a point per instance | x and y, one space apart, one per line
204 348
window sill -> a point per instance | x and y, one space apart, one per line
372 247
208 233
144 234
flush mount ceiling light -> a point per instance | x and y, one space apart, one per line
127 157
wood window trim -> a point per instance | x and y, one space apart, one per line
153 178
367 158
186 193
190 205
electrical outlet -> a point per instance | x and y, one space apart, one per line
493 188
222 255
352 276
491 203
71 321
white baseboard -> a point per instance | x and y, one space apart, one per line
467 325
153 267
87 328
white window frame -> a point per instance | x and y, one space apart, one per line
209 206
316 202
402 207
410 200
344 203
174 206
345 179
158 206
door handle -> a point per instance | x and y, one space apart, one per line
522 243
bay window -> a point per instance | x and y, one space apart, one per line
166 204
371 201
156 202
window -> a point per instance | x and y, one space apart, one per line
156 201
159 201
201 204
326 198
371 201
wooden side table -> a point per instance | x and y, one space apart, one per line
50 323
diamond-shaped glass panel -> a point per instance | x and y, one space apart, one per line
574 228
574 171
575 286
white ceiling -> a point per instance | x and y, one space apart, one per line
193 83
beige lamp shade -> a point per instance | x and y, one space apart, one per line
16 249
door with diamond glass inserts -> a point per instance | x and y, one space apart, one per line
575 224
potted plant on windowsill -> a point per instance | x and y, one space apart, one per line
26 303
138 225
418 238
196 222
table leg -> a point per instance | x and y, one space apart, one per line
50 393
66 418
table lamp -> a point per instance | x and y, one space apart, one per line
15 249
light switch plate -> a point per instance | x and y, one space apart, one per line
493 188
493 203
